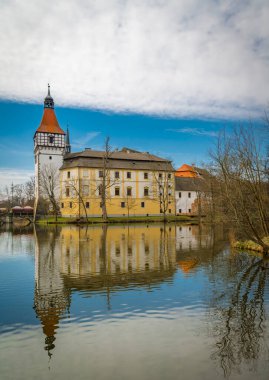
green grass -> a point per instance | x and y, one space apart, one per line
120 219
52 220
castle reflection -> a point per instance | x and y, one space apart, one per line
105 259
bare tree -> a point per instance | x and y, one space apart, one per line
242 184
164 189
79 190
49 186
18 194
106 181
29 190
129 201
7 197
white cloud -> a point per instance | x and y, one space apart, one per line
167 57
195 131
82 141
15 176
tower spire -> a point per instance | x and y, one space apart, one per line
67 141
48 102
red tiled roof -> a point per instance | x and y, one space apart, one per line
186 171
49 122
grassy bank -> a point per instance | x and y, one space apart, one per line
250 245
121 219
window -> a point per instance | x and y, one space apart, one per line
100 189
100 173
142 204
68 174
146 175
189 210
129 191
100 204
160 175
122 204
146 191
117 191
51 139
129 175
85 190
180 210
50 157
67 191
117 174
189 195
62 205
179 194
87 204
169 175
85 173
70 204
169 211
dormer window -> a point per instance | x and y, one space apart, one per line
51 139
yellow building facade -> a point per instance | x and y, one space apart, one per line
136 184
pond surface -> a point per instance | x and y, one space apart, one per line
131 302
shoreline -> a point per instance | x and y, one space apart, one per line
249 245
122 219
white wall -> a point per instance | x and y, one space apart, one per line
47 156
184 203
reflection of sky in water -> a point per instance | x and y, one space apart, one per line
159 322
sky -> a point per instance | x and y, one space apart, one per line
154 75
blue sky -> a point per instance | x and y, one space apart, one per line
164 75
181 140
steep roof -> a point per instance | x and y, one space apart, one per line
49 123
123 159
189 184
124 154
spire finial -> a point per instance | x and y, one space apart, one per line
48 102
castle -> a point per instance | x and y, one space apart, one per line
133 183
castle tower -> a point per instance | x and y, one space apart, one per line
49 142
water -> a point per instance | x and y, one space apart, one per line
128 302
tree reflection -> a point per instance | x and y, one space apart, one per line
239 319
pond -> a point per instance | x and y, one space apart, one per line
131 301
